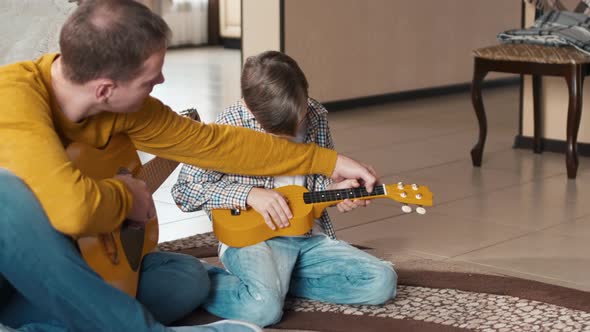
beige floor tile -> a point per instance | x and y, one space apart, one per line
579 228
518 274
360 216
394 158
415 121
403 256
456 180
503 104
395 132
391 112
529 165
540 254
432 234
535 205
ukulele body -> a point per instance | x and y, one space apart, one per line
248 227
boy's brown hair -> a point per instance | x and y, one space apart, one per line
110 38
274 89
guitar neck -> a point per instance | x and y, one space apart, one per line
156 171
338 195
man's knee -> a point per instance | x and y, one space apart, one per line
192 276
17 203
172 285
13 191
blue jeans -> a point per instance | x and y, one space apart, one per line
48 287
319 268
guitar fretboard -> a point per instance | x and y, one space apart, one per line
341 194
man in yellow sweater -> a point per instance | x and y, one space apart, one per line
112 52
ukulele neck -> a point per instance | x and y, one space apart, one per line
342 194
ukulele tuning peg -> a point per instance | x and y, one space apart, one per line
414 186
400 185
406 208
420 210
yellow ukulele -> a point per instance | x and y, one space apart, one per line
240 228
117 256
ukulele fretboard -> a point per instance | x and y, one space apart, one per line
341 194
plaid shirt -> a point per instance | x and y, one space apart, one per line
555 28
199 189
582 7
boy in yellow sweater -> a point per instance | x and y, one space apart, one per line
112 52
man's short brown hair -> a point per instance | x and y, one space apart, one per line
275 91
110 38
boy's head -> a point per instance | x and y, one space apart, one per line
275 91
110 38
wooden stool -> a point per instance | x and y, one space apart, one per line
535 60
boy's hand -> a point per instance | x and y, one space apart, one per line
271 205
347 168
348 205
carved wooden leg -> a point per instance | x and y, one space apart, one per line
575 82
538 144
478 75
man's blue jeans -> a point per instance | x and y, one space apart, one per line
318 268
49 287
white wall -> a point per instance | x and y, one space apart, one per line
30 28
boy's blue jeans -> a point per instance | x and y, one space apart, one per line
318 268
49 287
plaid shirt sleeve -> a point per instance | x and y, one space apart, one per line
198 189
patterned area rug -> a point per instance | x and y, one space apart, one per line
430 299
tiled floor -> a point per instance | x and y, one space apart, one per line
517 215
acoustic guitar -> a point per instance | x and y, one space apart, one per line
117 256
240 228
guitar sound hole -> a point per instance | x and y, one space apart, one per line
132 241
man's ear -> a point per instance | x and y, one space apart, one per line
104 90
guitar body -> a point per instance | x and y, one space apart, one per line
121 271
249 228
116 256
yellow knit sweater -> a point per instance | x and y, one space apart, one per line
34 134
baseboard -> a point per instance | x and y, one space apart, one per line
420 93
550 145
232 43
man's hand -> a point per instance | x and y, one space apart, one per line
348 205
347 168
271 205
143 208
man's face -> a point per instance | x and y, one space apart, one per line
129 96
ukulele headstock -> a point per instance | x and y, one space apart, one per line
410 194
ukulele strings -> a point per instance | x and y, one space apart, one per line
341 194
